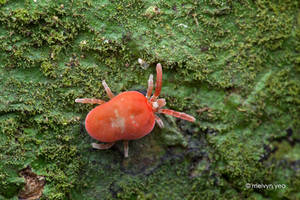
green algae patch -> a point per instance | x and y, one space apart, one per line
234 65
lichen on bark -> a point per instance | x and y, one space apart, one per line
234 65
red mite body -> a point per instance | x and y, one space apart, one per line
127 116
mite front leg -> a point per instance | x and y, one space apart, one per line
91 101
107 89
150 86
103 145
158 82
180 115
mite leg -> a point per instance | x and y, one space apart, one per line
158 83
103 145
91 101
125 148
150 86
159 121
107 89
180 115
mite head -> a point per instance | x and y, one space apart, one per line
157 104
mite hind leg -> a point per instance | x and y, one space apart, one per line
107 89
91 101
126 148
103 145
97 101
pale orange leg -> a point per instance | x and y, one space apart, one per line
159 121
107 89
91 101
103 145
150 86
158 82
180 115
125 148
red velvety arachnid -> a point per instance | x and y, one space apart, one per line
127 116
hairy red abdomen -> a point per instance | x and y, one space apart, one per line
127 116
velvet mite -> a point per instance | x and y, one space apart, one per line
127 116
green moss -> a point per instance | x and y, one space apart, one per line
234 65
